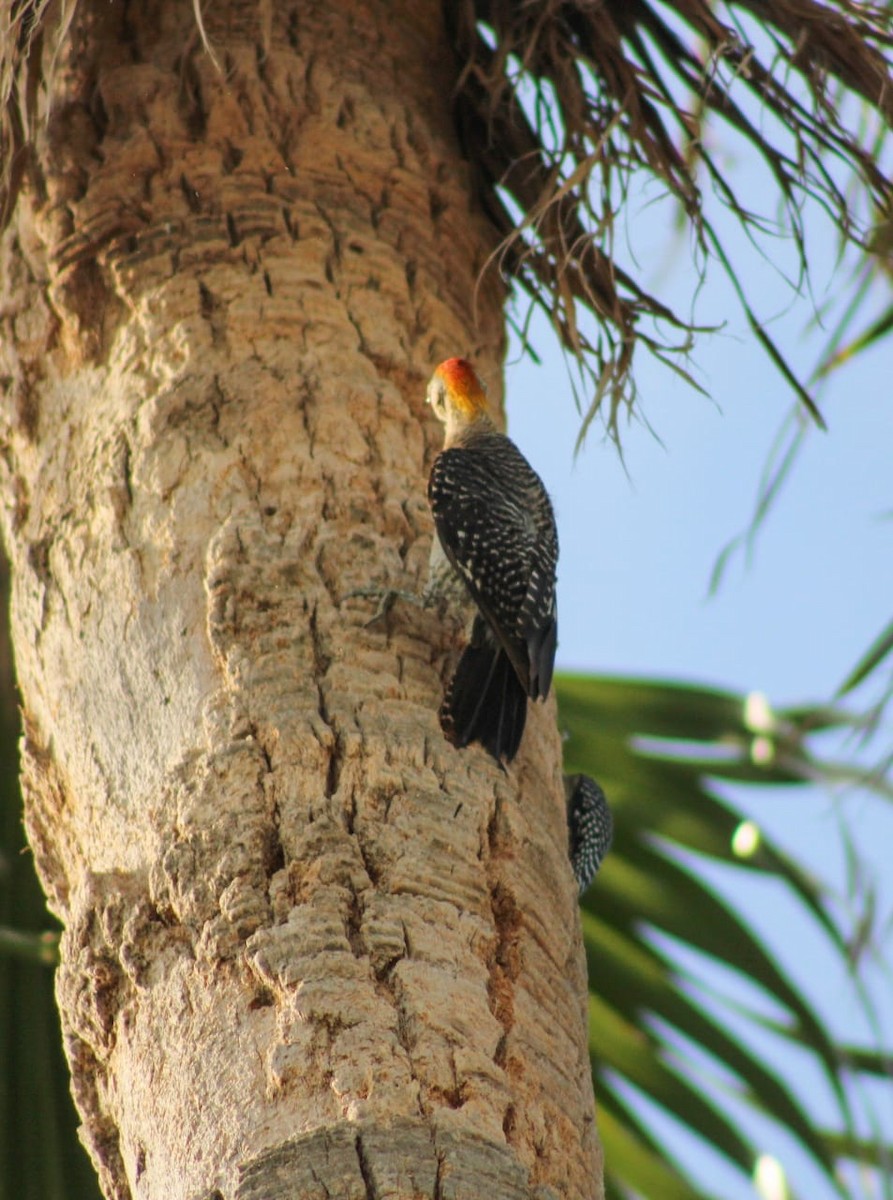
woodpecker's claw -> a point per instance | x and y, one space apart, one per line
386 598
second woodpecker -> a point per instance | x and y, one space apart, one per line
496 527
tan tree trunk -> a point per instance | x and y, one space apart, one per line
310 949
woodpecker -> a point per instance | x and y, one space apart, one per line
590 827
496 528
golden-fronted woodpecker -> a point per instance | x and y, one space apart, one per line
496 529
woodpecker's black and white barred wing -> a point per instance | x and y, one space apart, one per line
590 827
496 525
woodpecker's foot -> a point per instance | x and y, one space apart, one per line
386 598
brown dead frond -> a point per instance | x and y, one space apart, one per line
22 25
563 102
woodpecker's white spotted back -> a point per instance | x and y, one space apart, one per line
590 827
495 524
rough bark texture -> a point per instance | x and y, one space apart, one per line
310 949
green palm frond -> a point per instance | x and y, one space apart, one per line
872 274
659 750
877 653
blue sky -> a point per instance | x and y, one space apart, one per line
639 541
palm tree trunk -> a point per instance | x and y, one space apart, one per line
310 949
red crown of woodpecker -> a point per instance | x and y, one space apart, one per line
464 388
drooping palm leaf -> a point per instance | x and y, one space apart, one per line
876 653
872 274
658 749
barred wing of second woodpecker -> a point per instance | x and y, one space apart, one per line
590 827
496 525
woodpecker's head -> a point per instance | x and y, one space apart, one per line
457 395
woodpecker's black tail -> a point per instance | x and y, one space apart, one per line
485 701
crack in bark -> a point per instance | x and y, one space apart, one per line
211 307
274 851
321 663
438 1178
505 961
191 102
366 1170
321 1182
333 258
